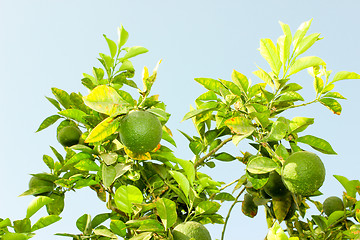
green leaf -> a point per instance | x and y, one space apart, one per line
106 61
57 205
335 216
134 51
74 114
182 181
36 204
207 207
305 62
224 156
299 124
232 87
98 73
77 158
167 212
290 96
62 96
87 165
45 221
269 52
240 125
83 223
264 76
22 226
284 43
109 158
282 152
48 122
105 232
108 175
350 186
123 36
112 46
142 236
306 43
126 196
224 196
261 165
276 233
5 223
189 169
106 100
240 80
318 84
300 33
345 75
320 221
210 84
126 65
104 129
54 102
121 79
318 144
278 131
196 112
334 95
14 236
331 104
118 227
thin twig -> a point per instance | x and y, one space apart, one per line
201 160
228 215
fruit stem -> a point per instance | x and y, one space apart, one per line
201 160
228 215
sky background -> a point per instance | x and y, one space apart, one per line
49 43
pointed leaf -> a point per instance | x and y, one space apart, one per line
331 104
108 175
210 84
345 75
45 221
118 227
126 196
269 52
182 181
318 144
134 51
123 36
48 122
74 114
106 100
36 204
240 125
301 32
264 76
112 46
167 212
261 165
240 80
305 62
306 43
299 124
104 129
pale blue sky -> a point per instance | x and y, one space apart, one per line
48 43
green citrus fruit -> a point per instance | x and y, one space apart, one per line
40 186
303 173
332 204
69 136
274 186
188 230
140 131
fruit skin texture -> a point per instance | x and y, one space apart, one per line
275 187
140 131
332 204
303 173
191 229
69 136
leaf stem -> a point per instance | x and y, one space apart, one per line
228 215
201 160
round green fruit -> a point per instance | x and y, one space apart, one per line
191 229
140 131
332 204
303 173
275 186
69 136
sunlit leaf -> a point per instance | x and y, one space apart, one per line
167 212
182 181
36 204
112 46
45 221
126 196
210 84
104 129
240 125
331 104
74 114
306 43
134 51
305 62
269 52
317 143
240 80
261 165
301 32
345 75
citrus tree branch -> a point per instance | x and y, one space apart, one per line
201 160
228 215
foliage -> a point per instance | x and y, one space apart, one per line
149 194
